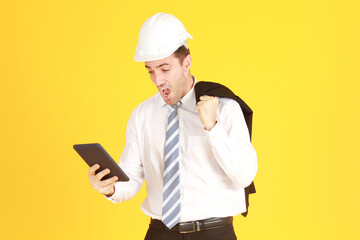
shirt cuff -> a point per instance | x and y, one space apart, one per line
112 198
216 132
123 192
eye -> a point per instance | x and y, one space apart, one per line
150 72
165 70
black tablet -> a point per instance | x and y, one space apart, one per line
93 153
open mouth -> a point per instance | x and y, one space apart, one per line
166 92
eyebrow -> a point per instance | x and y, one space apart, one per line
158 66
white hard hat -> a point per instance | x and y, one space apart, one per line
160 36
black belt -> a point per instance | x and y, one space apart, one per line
194 226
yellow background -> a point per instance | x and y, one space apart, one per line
67 76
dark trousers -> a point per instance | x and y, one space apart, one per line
220 233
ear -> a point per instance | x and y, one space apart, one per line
187 63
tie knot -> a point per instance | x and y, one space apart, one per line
175 106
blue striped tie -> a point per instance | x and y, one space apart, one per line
171 191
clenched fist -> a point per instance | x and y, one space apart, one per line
106 187
206 108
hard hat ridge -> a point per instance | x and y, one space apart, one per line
160 36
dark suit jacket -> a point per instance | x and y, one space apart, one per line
218 90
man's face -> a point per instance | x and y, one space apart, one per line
169 76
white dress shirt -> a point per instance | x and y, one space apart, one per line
215 165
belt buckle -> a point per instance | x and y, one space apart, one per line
195 227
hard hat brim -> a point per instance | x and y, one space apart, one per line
146 58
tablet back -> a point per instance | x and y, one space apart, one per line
93 153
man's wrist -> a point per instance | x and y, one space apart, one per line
110 195
210 126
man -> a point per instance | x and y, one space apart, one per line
196 158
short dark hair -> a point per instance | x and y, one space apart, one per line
181 53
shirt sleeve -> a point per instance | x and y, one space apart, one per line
131 164
230 142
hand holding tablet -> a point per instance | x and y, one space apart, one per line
104 171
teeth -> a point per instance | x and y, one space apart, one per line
165 93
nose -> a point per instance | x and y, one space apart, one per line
158 79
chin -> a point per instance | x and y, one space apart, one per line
170 102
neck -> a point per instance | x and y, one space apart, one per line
189 83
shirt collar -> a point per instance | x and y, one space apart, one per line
189 101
